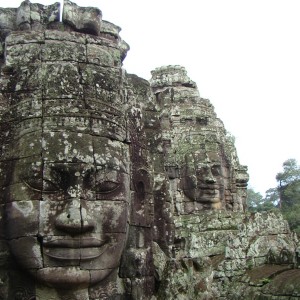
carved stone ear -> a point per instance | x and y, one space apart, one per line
141 206
142 183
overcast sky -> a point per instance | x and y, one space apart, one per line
244 56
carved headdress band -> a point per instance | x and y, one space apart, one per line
61 75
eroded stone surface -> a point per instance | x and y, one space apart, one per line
113 187
200 156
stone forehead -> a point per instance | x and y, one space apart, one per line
37 141
36 130
74 92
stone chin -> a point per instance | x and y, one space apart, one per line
207 199
65 277
204 196
70 277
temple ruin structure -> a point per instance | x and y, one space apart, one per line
116 187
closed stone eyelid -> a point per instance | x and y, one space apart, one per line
117 185
29 185
58 189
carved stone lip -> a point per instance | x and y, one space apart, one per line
211 192
210 186
75 249
87 242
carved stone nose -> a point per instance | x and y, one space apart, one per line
73 219
210 179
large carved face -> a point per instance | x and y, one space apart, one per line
67 206
203 179
68 193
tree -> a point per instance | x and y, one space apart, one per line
285 196
289 193
272 197
254 199
292 216
290 174
289 184
256 202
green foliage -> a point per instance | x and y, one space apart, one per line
285 196
290 174
292 215
253 198
272 195
289 193
256 202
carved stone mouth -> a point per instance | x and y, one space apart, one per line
74 243
75 249
210 186
209 192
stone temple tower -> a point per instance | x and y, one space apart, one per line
115 187
201 159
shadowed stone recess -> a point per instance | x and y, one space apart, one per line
115 187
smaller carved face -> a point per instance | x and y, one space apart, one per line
203 181
67 208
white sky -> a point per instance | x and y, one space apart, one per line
244 56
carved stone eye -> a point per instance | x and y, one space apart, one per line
190 182
50 187
216 170
106 187
43 185
202 170
34 183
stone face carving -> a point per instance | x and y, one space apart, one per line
66 153
200 156
113 187
203 182
67 210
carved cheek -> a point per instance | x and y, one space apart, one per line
190 182
111 210
189 186
50 208
27 252
22 218
110 216
22 230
